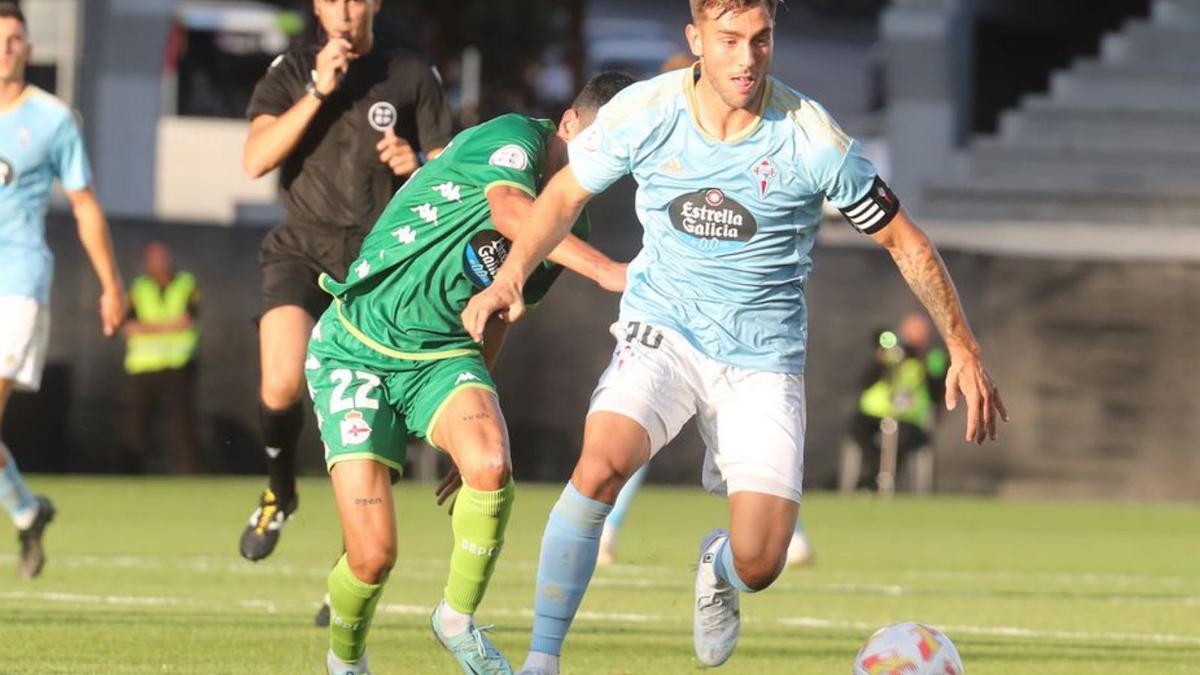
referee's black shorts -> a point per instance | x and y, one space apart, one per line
293 255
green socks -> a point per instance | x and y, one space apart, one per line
351 608
478 525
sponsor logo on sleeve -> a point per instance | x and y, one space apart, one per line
712 222
483 256
510 157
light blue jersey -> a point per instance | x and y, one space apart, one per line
728 225
39 141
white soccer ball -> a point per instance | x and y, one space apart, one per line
908 649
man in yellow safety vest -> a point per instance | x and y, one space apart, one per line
160 358
903 383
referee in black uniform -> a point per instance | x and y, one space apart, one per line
346 123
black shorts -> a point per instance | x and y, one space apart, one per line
292 256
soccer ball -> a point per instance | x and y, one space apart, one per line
908 649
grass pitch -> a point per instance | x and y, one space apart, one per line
144 577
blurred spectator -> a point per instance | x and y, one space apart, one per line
160 356
904 383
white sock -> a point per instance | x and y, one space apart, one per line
359 666
24 519
453 622
541 661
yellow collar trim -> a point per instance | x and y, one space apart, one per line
694 107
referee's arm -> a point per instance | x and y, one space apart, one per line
273 137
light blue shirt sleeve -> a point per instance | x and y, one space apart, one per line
846 182
69 158
602 153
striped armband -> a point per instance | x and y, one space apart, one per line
875 210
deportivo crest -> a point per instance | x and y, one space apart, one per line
382 116
764 171
712 222
510 156
355 429
483 255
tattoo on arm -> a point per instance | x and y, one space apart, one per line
476 416
367 501
926 274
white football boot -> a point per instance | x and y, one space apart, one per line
716 620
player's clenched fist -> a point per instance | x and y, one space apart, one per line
502 298
397 153
332 63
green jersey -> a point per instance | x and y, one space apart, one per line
435 246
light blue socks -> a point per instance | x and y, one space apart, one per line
725 570
568 559
15 497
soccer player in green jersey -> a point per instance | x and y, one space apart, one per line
390 358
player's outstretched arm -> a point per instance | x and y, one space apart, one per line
926 274
511 208
549 222
94 235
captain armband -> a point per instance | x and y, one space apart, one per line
874 211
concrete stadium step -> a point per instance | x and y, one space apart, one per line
1103 127
1178 89
1180 68
997 160
1147 43
1176 13
981 200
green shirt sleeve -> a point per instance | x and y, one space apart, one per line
509 150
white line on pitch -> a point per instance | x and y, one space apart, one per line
625 617
236 565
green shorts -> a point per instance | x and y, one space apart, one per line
368 404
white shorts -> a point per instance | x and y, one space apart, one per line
752 421
24 338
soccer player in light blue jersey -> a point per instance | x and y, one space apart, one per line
732 168
39 141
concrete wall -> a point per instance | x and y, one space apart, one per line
124 45
1097 361
200 175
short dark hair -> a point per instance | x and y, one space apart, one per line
11 10
600 90
699 7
